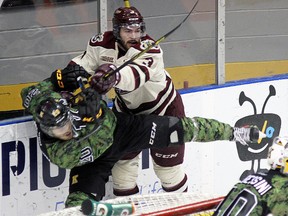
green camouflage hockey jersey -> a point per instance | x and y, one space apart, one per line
257 195
92 138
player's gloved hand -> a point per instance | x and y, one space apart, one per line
101 83
68 96
66 79
90 106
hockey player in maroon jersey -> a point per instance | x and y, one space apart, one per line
142 87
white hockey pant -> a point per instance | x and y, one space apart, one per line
125 174
171 177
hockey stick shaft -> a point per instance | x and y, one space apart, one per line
152 44
78 93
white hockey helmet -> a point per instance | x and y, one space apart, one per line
278 154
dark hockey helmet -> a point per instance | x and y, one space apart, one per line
52 113
127 16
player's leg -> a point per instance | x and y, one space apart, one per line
167 162
88 181
200 129
139 132
136 132
125 174
167 165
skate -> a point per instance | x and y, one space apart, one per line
247 134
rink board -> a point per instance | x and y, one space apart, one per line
30 185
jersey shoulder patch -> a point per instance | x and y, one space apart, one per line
146 42
106 40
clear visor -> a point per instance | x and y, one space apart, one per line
64 128
132 26
126 25
63 132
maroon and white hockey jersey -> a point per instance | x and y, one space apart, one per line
145 86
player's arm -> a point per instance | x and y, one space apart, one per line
89 59
83 65
33 95
136 74
147 67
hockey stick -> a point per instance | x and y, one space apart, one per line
151 45
78 93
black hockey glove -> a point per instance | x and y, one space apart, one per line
101 83
89 107
66 79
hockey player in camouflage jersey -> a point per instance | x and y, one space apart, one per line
262 194
84 134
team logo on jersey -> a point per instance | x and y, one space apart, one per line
97 38
147 43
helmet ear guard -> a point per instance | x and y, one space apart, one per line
127 16
278 154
